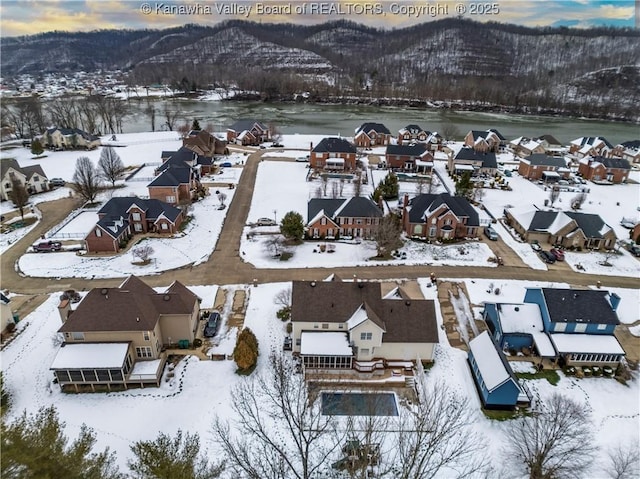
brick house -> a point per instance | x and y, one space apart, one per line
344 325
524 147
123 217
590 146
372 134
484 141
353 217
412 134
175 185
117 336
204 143
31 177
476 161
439 216
629 150
600 168
414 157
534 166
333 153
69 139
248 132
568 228
186 157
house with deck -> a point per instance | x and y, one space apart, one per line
413 157
123 217
439 217
412 134
333 153
567 228
345 325
485 141
116 337
541 166
248 132
31 177
330 218
600 168
475 161
495 381
370 134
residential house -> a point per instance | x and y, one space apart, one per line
580 324
205 144
343 325
413 157
537 166
355 217
497 385
248 132
69 139
186 157
484 141
551 145
117 336
31 177
600 168
439 216
412 134
372 134
123 217
333 153
175 185
524 147
567 228
590 146
629 150
475 161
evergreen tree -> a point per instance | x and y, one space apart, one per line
464 186
195 125
292 226
36 147
245 354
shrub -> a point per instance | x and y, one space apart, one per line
197 343
284 313
586 371
289 328
11 327
245 354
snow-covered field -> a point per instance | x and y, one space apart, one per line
169 253
8 239
205 386
78 227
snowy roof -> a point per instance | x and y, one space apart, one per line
551 174
91 355
336 161
464 167
493 369
520 318
145 369
580 305
357 318
324 344
543 344
586 343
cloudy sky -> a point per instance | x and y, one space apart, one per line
23 17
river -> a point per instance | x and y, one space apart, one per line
309 118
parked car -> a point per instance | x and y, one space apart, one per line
288 344
265 222
536 247
490 233
211 328
558 253
47 246
226 164
277 145
302 159
57 182
634 249
547 256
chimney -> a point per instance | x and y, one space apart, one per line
614 299
64 308
405 201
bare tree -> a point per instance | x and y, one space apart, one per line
318 192
274 244
274 133
421 185
357 184
170 117
283 298
578 200
335 190
450 131
624 461
554 442
387 235
554 194
86 180
143 252
478 193
110 166
325 183
280 431
222 197
151 111
19 195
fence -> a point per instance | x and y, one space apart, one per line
53 233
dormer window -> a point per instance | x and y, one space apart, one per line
98 232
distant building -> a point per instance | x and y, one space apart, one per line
248 132
414 157
412 134
205 144
333 153
475 161
372 134
590 146
599 168
69 139
537 166
484 141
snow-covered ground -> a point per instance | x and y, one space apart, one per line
169 253
8 239
592 263
78 227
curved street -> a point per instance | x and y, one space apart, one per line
225 265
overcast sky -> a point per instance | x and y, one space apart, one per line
23 17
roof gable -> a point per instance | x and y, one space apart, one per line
334 145
377 127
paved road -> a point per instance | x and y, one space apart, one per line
226 267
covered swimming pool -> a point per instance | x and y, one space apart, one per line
359 404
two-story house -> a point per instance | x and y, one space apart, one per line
248 132
333 153
412 134
439 216
568 228
116 336
524 147
370 134
410 157
175 185
485 141
69 138
122 217
628 150
204 143
353 217
476 161
540 165
590 146
600 168
340 325
31 177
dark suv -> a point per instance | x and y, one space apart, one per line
547 257
211 328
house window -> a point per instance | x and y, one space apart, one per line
417 230
98 233
366 336
602 327
559 327
7 186
447 221
325 325
137 226
144 352
341 326
164 226
358 221
146 335
36 178
298 342
136 216
78 336
433 221
432 231
581 328
315 326
368 221
323 221
170 199
364 351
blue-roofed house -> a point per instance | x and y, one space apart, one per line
123 217
439 216
497 385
